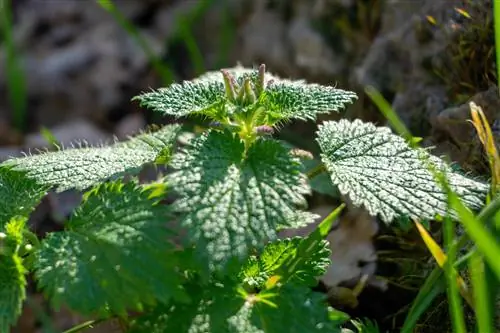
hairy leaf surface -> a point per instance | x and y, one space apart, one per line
181 99
218 310
281 99
83 167
18 195
298 100
114 253
12 274
378 170
258 269
233 203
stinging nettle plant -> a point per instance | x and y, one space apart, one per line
235 187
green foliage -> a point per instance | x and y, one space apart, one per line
221 309
12 271
259 269
182 99
235 187
113 255
231 202
226 306
81 168
378 170
18 195
244 91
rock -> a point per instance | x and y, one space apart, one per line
457 137
418 104
311 51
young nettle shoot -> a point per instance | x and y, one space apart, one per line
210 260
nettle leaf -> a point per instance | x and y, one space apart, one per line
276 99
18 195
114 253
81 168
233 203
293 309
298 100
181 99
12 274
12 290
378 170
259 269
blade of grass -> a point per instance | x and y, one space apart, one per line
184 33
163 70
455 303
15 76
401 129
485 134
386 109
433 286
482 237
496 20
442 260
480 292
49 137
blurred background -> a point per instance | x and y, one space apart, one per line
68 69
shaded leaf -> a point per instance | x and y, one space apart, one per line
12 274
221 310
18 195
113 254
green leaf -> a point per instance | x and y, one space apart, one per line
18 195
221 310
114 253
294 310
180 100
12 274
277 100
234 203
258 270
84 167
379 170
299 100
12 290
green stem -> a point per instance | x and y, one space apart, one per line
85 325
484 216
317 170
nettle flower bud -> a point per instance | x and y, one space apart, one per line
229 84
264 130
302 154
